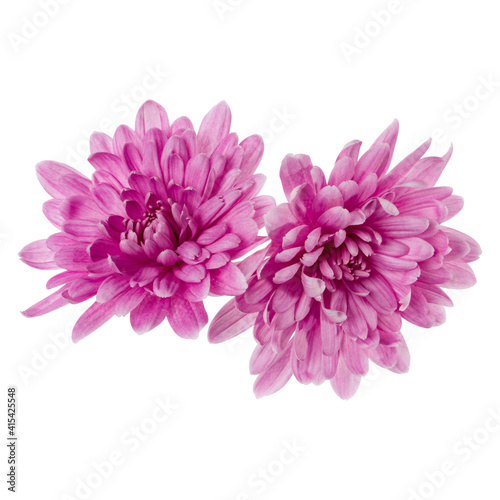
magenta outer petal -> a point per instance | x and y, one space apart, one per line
295 170
262 358
50 174
403 359
214 127
227 280
186 318
149 313
345 383
279 220
229 322
253 148
151 115
37 255
94 317
49 304
275 377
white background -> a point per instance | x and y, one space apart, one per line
86 68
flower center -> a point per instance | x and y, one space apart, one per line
152 213
347 261
155 223
351 266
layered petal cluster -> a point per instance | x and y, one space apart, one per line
158 226
350 257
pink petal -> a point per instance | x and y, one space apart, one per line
167 285
330 336
227 242
345 383
82 289
402 226
129 300
334 218
190 273
227 280
403 359
313 287
343 171
50 173
373 161
108 162
388 136
462 275
275 377
167 258
100 142
354 357
145 275
295 170
189 251
214 127
186 318
111 287
262 358
80 207
429 169
259 290
392 263
38 255
63 278
350 150
149 313
328 197
229 322
279 220
51 211
384 356
286 295
48 304
216 261
453 205
286 273
82 230
401 170
196 172
250 264
72 258
211 234
253 148
123 136
151 115
180 124
195 292
93 318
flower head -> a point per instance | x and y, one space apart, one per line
349 258
158 226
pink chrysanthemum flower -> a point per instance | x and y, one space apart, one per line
349 259
158 226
